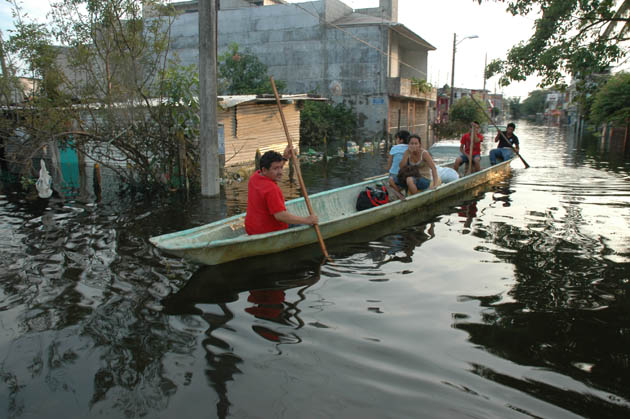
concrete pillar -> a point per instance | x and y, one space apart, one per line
208 135
389 8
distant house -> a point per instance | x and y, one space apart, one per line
253 123
556 105
363 58
21 90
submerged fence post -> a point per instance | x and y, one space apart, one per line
97 183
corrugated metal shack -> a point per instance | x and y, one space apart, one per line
253 123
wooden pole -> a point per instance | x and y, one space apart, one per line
473 135
296 163
492 122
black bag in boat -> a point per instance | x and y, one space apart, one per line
372 197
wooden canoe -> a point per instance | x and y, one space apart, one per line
226 240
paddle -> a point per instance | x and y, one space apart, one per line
375 177
500 132
296 164
473 135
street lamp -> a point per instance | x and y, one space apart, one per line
455 43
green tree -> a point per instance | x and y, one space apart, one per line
612 101
571 37
534 103
135 104
324 121
461 114
514 106
465 111
241 73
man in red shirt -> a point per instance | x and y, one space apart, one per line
265 203
464 148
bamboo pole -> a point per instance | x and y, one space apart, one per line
501 132
473 135
296 164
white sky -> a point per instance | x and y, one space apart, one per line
437 20
433 20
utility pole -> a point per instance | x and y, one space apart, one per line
450 102
485 64
453 65
208 133
6 90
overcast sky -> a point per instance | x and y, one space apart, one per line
437 20
433 20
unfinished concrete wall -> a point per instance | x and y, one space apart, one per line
371 113
235 4
335 9
387 9
359 69
394 53
284 37
295 47
416 60
307 55
360 73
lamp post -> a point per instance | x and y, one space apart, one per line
455 43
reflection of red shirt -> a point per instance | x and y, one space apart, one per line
264 198
269 303
466 141
469 210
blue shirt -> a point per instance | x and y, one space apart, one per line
396 152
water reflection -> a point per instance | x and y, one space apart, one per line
564 311
531 271
264 286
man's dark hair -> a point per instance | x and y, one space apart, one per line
477 122
404 135
511 124
268 158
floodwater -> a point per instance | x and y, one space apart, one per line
508 301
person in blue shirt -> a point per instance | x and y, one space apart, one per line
395 156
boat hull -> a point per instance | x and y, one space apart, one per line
224 241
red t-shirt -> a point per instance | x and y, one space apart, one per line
466 141
264 198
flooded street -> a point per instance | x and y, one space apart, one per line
509 301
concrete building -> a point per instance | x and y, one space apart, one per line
20 90
363 58
556 104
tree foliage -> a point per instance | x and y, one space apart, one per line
321 121
514 106
612 101
534 103
574 37
465 111
461 114
241 73
107 81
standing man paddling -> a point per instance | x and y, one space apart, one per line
266 210
507 141
465 145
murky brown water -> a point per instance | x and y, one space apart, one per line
508 301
